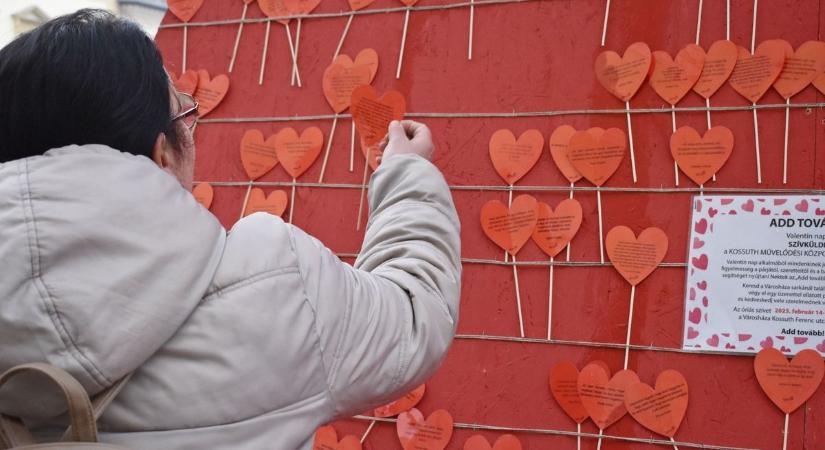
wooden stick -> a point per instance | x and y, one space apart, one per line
727 22
630 136
572 185
753 30
238 38
699 23
673 121
352 147
293 54
785 433
403 44
263 54
578 436
343 36
369 428
599 442
758 153
674 443
292 201
601 238
329 146
185 45
785 155
707 102
629 326
550 301
509 205
604 27
363 190
246 199
297 46
470 35
518 298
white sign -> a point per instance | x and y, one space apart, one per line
756 274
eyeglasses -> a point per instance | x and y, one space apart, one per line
188 110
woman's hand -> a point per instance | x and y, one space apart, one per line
407 137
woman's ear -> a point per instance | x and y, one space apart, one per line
160 151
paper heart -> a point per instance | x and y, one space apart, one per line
274 204
258 156
510 228
597 157
301 6
372 115
754 74
210 92
187 82
719 63
672 79
372 153
623 75
559 148
340 81
513 158
800 69
275 8
564 378
415 433
409 2
297 153
359 4
504 442
405 403
662 409
366 57
327 439
184 9
789 384
819 82
603 399
700 157
204 194
555 229
635 258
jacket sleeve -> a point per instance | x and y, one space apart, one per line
385 324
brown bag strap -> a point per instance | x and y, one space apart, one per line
102 400
81 414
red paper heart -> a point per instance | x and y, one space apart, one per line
504 442
405 403
344 75
635 258
559 149
597 157
754 74
366 57
297 153
184 9
301 6
327 439
719 63
258 156
372 115
700 157
204 194
662 409
513 158
187 82
603 399
510 228
623 75
210 92
415 433
555 229
673 79
564 379
789 384
819 82
274 204
275 8
800 69
359 4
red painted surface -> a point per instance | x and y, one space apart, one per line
532 56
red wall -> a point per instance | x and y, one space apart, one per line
532 56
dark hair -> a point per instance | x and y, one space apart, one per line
83 78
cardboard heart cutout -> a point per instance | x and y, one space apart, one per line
513 158
405 403
597 158
559 150
366 57
800 69
258 156
275 8
210 92
719 63
623 75
274 204
504 442
340 81
359 4
564 379
662 409
672 80
187 82
700 157
555 229
754 74
603 398
204 194
184 9
297 153
819 82
372 115
415 433
301 6
510 228
789 384
327 439
635 258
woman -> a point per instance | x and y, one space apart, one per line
247 339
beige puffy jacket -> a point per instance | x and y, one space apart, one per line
242 340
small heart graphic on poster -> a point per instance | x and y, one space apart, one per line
800 69
701 157
327 439
513 158
555 229
789 383
692 334
672 79
372 115
623 75
415 433
258 156
274 204
754 74
510 228
660 409
701 262
297 153
405 403
204 194
802 206
603 398
210 92
635 258
713 341
719 63
504 442
597 157
564 379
